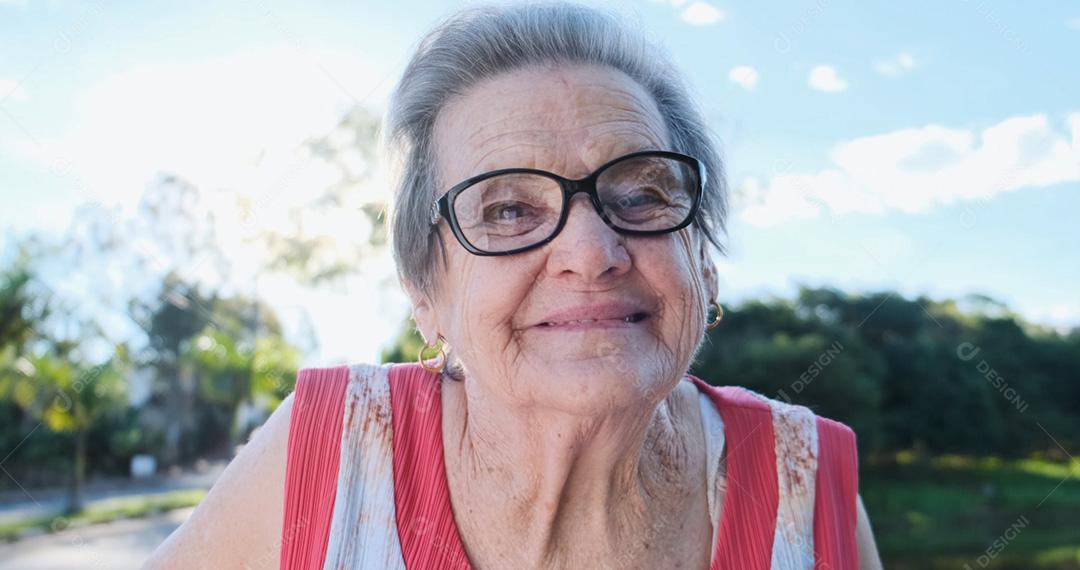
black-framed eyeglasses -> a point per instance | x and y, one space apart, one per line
512 210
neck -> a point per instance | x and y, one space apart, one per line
556 477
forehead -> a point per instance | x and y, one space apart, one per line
566 119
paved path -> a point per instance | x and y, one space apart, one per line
118 544
21 504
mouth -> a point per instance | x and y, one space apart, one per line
590 323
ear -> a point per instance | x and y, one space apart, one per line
708 270
423 310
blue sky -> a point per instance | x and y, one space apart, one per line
931 148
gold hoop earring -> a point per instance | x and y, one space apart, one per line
715 322
440 343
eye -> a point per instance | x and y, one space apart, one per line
641 197
507 212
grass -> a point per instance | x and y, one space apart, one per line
979 511
106 510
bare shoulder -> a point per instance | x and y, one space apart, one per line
238 524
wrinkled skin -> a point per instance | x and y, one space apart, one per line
568 121
577 439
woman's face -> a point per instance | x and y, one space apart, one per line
507 319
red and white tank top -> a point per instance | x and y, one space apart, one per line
365 483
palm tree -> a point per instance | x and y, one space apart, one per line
68 396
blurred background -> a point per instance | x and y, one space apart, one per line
192 209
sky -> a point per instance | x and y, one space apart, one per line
928 148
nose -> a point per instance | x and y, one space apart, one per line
587 249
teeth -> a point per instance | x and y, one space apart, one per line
632 318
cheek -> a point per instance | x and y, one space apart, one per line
486 294
672 271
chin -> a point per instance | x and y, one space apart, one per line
614 382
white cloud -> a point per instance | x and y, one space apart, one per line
11 90
702 14
900 63
216 123
914 170
745 76
1062 316
824 78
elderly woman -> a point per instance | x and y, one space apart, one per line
557 200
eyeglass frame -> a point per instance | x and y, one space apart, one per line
442 207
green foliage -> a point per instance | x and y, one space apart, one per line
52 384
67 396
209 358
16 324
918 375
233 370
178 313
276 363
212 356
407 346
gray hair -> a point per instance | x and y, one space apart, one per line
484 41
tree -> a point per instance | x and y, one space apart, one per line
53 384
334 229
175 316
239 358
16 325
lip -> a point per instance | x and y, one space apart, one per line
597 315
